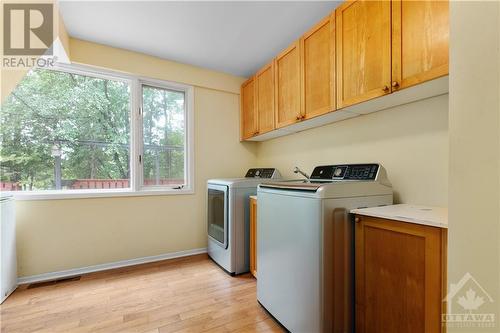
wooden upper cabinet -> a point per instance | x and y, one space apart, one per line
318 69
363 50
265 98
400 276
287 86
248 116
420 41
363 37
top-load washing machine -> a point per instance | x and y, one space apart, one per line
228 218
305 244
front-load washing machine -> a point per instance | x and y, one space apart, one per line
228 218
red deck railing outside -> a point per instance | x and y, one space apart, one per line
83 184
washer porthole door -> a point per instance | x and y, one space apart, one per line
217 213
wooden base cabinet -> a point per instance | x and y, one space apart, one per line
253 236
400 276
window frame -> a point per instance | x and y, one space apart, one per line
136 140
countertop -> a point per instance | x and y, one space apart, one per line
426 215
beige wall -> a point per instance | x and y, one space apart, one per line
132 62
474 121
410 141
53 238
56 235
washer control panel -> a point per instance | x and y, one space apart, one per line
346 172
262 173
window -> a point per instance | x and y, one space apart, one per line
163 136
76 132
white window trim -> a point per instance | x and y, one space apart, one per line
136 188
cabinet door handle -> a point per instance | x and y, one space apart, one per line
303 117
386 89
298 117
357 219
395 84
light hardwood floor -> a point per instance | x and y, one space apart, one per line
189 294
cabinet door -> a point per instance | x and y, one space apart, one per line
420 41
318 69
399 283
253 237
248 116
265 98
363 37
287 86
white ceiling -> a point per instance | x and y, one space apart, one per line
233 37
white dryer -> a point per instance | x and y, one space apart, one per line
228 218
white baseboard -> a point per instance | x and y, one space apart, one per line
107 266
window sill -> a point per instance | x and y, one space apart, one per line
85 194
